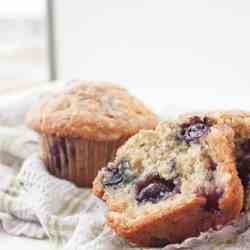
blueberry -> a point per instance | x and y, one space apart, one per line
121 173
246 146
243 162
194 129
153 188
153 192
212 201
211 164
114 177
243 165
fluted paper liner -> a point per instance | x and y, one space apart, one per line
77 160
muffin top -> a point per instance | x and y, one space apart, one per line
90 110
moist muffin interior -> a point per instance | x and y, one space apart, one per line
240 122
243 167
164 169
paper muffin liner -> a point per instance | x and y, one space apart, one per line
77 160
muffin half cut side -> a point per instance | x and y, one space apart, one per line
168 184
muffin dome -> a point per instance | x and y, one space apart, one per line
91 110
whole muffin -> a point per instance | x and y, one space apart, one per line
83 124
172 183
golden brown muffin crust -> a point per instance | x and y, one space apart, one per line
91 110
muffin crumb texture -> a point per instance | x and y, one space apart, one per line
239 121
168 184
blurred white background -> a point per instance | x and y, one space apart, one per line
143 43
23 41
155 43
184 54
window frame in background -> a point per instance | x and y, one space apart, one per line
51 40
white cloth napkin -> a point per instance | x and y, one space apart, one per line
35 204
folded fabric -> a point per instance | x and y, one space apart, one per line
35 204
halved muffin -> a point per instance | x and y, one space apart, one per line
168 184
